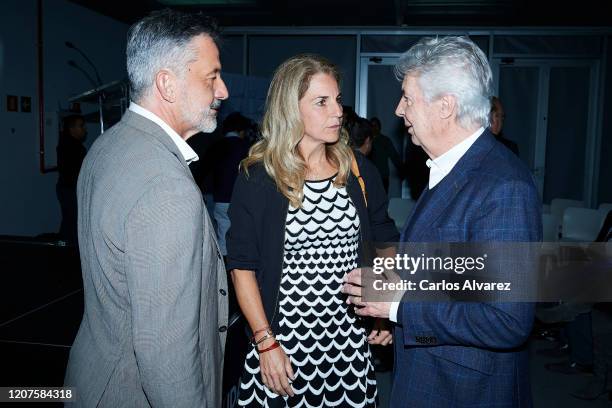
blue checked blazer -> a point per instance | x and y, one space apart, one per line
467 354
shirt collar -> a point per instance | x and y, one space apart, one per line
186 151
443 164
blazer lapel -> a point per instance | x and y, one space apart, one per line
153 129
446 191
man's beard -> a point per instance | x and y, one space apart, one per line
202 120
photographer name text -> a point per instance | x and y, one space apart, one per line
426 285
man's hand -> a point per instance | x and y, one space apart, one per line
352 287
381 333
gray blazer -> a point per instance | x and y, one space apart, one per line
154 327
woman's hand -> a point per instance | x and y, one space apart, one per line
381 333
276 370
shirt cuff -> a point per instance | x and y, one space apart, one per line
393 311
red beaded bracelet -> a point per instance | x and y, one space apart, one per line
272 347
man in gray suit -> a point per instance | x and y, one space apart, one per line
153 331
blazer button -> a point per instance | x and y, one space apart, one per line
223 292
222 329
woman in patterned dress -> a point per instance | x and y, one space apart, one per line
299 223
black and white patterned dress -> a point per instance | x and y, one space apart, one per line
323 338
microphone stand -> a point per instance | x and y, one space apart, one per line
100 94
74 47
77 67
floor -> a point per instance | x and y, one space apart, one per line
41 304
551 389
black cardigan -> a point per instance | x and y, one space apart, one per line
258 211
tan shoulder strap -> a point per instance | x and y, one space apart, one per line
355 171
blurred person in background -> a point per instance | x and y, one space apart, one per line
70 155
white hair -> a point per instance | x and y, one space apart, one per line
451 65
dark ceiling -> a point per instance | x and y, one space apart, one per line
342 13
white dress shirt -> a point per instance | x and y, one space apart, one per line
188 154
439 168
443 164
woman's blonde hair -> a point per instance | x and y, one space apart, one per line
282 129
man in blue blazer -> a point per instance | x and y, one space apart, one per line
459 354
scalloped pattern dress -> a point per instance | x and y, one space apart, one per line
322 336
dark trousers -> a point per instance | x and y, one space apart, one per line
579 335
68 202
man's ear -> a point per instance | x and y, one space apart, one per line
165 83
448 106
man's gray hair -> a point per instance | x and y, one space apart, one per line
451 65
162 40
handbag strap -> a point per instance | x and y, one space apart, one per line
355 171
